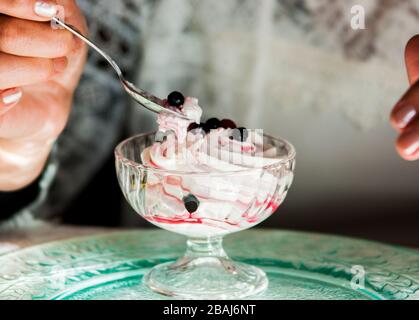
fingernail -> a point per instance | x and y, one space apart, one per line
45 9
60 64
404 115
409 141
11 96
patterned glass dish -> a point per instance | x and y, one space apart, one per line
299 266
226 202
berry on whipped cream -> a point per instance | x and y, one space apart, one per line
228 124
176 99
211 124
211 177
190 109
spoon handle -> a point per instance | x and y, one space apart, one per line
144 98
78 34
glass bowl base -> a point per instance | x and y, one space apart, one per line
209 278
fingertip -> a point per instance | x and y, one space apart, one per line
28 9
410 158
402 115
412 44
9 99
45 9
407 145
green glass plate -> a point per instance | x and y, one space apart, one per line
299 266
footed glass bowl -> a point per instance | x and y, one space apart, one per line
205 206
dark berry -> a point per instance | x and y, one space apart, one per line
211 124
176 99
193 126
228 124
191 203
239 134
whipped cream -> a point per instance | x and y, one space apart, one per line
225 175
179 127
197 151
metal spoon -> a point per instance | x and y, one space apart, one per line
142 97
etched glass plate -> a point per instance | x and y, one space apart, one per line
299 266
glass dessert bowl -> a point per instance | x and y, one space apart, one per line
205 206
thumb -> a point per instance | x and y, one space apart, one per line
9 98
412 59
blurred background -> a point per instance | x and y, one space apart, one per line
296 69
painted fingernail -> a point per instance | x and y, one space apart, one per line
404 115
60 64
45 9
409 142
11 96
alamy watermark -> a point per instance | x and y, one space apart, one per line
358 17
358 279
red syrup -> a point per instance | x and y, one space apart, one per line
190 220
273 205
174 220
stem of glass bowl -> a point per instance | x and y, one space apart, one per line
206 272
210 247
204 252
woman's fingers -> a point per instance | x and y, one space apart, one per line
34 39
408 142
21 71
407 108
39 69
31 51
35 10
404 116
